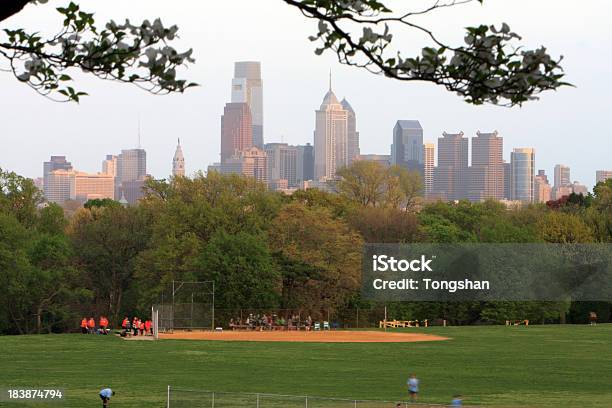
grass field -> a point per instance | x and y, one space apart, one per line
536 366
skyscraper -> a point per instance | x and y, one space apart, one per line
352 133
330 137
428 168
247 87
449 180
541 188
523 168
132 165
131 173
305 163
563 183
562 176
407 150
236 129
282 164
178 162
55 163
602 175
486 175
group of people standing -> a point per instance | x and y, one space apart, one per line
88 326
136 327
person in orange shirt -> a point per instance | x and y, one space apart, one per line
103 324
148 327
91 325
84 326
141 326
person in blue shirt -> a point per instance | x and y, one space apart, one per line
413 387
457 401
105 396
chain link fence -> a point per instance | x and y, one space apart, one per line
186 398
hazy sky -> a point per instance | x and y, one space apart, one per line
572 126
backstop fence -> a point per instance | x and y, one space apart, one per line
187 398
186 306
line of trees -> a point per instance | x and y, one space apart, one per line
263 249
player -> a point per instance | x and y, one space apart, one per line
105 396
413 387
457 401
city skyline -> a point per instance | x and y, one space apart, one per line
551 125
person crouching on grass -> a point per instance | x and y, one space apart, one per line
413 387
105 396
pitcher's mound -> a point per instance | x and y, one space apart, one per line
340 336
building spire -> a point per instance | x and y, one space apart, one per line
330 78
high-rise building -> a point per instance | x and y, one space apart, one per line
236 129
563 184
449 181
247 87
542 189
178 161
352 135
88 186
251 162
282 165
428 168
330 137
562 175
304 163
602 175
523 168
486 174
64 185
407 150
507 181
56 163
132 165
59 185
109 165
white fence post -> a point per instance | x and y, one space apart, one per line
257 400
307 401
168 405
213 400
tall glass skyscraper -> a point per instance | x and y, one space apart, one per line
523 171
407 149
352 137
247 87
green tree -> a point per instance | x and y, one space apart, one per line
243 270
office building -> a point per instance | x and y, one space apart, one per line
251 162
486 174
282 165
330 137
449 180
428 168
131 165
523 168
563 184
236 129
407 149
304 163
602 175
247 87
55 163
542 188
352 135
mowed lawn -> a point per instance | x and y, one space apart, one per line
536 366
